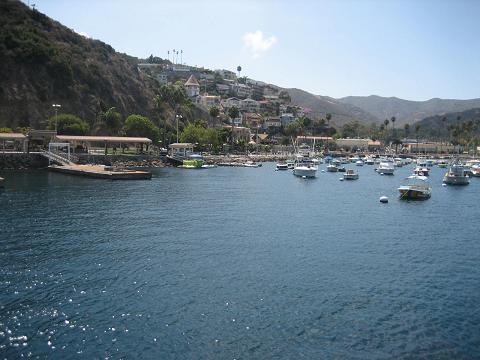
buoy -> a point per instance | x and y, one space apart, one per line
323 170
382 174
341 179
304 177
383 199
443 184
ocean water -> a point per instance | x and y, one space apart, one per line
237 263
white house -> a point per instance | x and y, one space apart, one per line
192 86
241 90
249 105
230 102
272 122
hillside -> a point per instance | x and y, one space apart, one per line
43 62
320 105
437 128
407 111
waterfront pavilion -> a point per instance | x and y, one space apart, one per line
92 144
13 142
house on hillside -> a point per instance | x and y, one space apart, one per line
286 118
192 87
231 102
226 74
223 89
241 90
208 101
249 105
252 120
272 122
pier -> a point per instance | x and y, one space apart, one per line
101 172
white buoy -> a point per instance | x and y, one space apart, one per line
383 199
443 184
323 170
341 179
382 174
304 177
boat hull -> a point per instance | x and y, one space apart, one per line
304 171
409 194
456 180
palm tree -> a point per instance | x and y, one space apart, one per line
232 113
328 116
393 119
406 127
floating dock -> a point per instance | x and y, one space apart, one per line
102 172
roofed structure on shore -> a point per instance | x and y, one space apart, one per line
104 139
192 86
15 141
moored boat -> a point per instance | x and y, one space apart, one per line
2 180
421 171
332 168
350 174
386 168
282 166
415 188
304 166
456 175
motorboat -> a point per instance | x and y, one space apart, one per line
369 161
290 164
282 166
475 169
386 168
192 161
415 188
456 175
430 163
350 174
332 168
421 161
251 164
2 180
359 163
398 162
442 163
304 166
341 169
421 171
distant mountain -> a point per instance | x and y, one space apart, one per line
407 111
44 62
321 105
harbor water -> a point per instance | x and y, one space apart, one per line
237 263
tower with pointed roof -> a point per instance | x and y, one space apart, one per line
192 86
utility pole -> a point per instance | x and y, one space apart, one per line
56 107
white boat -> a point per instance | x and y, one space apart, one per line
2 180
359 163
282 166
421 171
251 164
421 161
430 163
475 169
290 164
369 161
332 168
456 175
350 175
398 162
416 188
304 166
386 168
442 163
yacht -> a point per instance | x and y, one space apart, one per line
359 163
304 166
369 161
290 164
386 168
442 163
251 164
421 171
350 175
282 166
332 168
456 175
416 187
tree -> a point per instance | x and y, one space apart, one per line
214 111
141 126
406 128
328 116
68 124
393 119
396 142
110 120
233 114
284 96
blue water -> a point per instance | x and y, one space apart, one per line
237 263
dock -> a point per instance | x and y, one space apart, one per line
101 172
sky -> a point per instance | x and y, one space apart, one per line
411 49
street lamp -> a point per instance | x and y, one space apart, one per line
178 116
56 107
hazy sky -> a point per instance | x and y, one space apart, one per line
410 49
